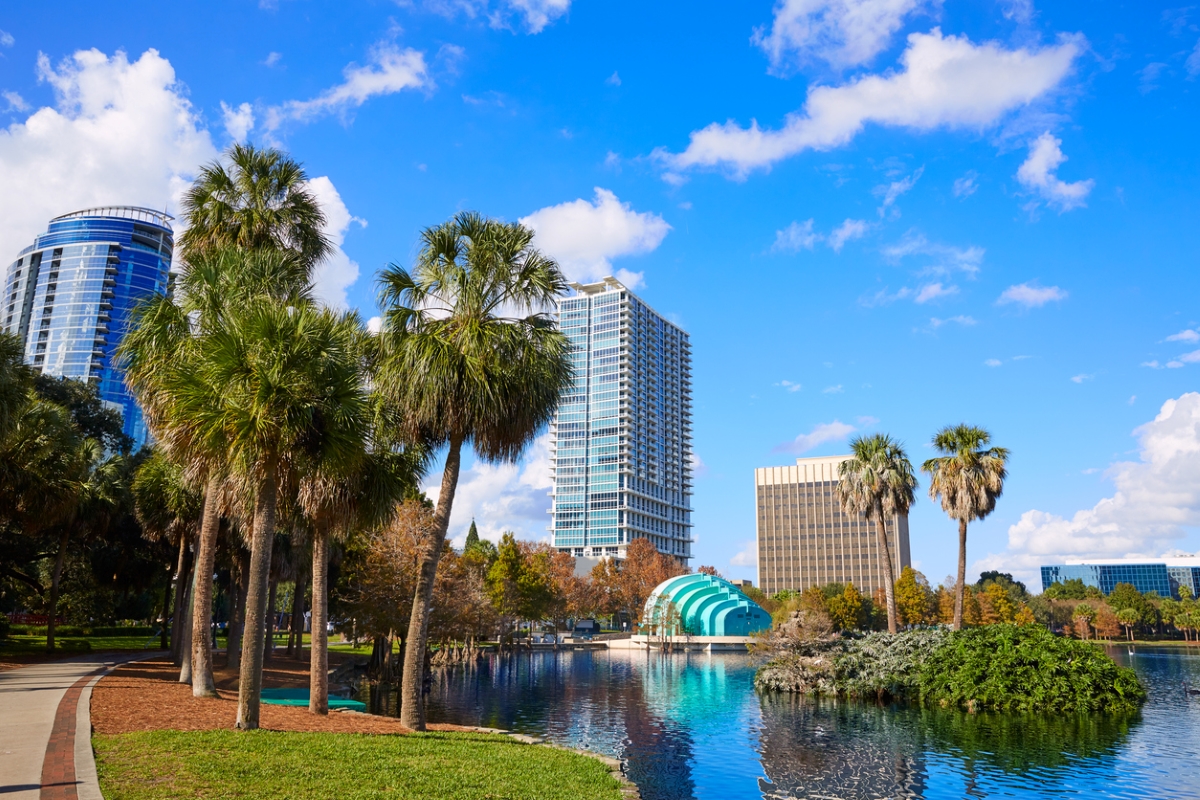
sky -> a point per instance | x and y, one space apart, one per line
869 215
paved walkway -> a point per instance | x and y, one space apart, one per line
45 728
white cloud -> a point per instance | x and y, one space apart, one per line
6 39
238 121
844 33
961 319
584 236
1150 75
538 13
993 362
791 387
15 101
1187 358
1081 378
375 324
1151 364
1019 11
820 434
336 273
273 58
699 468
1185 335
1030 295
502 497
1157 499
934 291
967 185
890 192
795 237
747 556
389 70
613 80
1037 174
120 133
832 389
946 82
849 229
944 259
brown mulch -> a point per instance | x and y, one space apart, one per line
147 696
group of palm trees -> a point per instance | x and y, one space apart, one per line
878 482
290 416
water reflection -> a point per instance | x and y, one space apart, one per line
691 726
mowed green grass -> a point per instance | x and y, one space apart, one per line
305 766
72 645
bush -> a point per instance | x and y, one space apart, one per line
1026 668
3 627
887 665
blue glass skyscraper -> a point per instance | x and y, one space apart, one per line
623 433
69 295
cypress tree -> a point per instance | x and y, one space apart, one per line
472 537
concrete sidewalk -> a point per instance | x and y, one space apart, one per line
42 708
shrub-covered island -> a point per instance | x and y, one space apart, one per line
997 667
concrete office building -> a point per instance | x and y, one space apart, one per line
622 438
69 295
1163 576
805 539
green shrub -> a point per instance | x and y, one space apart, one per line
887 665
4 626
1026 668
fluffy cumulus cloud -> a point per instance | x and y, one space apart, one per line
945 82
336 273
842 33
585 236
1037 174
537 14
1155 505
1030 295
502 497
390 69
238 121
120 132
747 556
821 433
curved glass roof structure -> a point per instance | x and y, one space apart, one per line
702 605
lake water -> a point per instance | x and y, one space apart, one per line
692 726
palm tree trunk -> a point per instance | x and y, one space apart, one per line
318 664
250 676
185 644
233 646
177 615
961 586
272 615
206 553
296 628
163 639
889 576
55 578
412 685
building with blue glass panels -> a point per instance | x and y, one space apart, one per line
69 295
622 437
1164 577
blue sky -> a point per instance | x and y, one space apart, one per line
869 214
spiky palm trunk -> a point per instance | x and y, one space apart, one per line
960 587
412 685
233 646
250 679
206 554
55 581
185 646
177 615
318 692
889 578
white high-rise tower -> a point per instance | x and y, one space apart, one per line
623 433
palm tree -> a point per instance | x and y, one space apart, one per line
878 483
16 379
968 478
460 371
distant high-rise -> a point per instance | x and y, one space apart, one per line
623 433
69 295
805 539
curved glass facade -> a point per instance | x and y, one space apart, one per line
702 605
69 295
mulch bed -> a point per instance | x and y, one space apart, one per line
147 696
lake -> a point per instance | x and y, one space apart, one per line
692 726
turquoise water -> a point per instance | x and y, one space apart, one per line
692 726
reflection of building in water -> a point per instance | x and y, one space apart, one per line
825 749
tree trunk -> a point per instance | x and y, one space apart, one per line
889 575
185 645
961 587
55 578
237 624
177 613
250 676
272 615
163 639
206 554
296 635
318 659
412 686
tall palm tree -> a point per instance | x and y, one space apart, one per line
468 358
878 483
16 379
968 478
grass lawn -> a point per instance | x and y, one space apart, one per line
276 765
20 644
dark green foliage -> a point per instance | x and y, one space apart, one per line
1026 668
885 664
3 627
1071 589
472 537
92 418
1126 595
